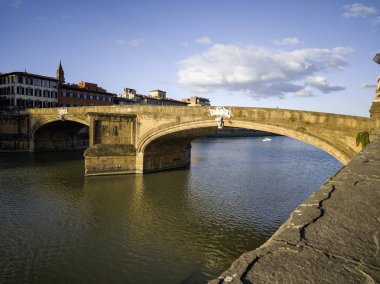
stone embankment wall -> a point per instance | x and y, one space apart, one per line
14 131
333 237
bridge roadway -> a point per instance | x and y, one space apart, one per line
333 237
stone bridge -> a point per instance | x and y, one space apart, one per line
138 139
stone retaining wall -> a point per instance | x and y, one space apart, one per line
333 237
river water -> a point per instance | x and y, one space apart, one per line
180 226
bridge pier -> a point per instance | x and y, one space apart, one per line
111 160
171 158
111 145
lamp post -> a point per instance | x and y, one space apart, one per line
377 96
375 108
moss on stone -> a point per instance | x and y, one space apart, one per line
362 138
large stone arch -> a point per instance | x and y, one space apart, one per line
341 152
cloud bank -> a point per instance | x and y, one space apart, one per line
262 72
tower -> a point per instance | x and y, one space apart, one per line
60 74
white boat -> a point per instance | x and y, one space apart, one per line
267 139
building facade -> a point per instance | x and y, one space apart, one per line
20 90
156 97
148 100
197 101
157 94
81 94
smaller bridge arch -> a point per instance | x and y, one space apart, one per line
57 134
40 123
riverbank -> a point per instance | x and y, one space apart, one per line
333 237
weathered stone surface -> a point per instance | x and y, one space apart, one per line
151 130
141 125
333 237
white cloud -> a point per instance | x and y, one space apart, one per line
358 10
203 40
368 86
13 3
320 83
136 42
261 72
133 42
304 93
288 41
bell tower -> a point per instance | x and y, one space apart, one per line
60 75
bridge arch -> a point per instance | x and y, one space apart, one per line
194 130
56 134
45 121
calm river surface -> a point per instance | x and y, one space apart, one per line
182 226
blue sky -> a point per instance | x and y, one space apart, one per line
310 55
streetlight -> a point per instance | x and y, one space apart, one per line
377 90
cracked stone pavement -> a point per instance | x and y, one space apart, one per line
333 237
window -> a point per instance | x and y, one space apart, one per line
37 82
29 81
71 95
78 96
91 97
45 83
63 94
53 84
